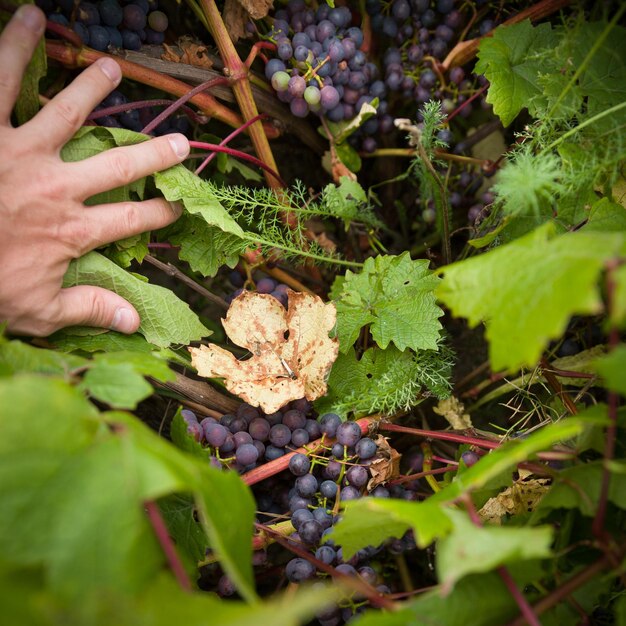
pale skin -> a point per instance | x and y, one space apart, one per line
44 223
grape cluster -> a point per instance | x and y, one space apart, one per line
320 66
263 284
109 23
249 437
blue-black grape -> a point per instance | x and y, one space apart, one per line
298 570
348 433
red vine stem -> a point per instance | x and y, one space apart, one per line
72 57
525 608
442 435
218 80
282 463
213 147
176 565
227 139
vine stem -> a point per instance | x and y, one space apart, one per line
228 139
213 147
525 608
280 464
171 270
160 529
597 526
144 104
237 72
444 436
219 80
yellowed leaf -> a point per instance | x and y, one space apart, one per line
386 464
521 497
453 410
291 352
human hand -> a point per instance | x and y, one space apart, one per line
44 223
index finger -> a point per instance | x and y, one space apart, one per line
17 43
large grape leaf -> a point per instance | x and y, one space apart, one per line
165 320
511 61
395 296
527 290
469 549
612 368
72 493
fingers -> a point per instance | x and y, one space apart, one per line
17 43
121 166
102 224
55 124
94 306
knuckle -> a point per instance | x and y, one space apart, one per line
122 166
96 309
69 113
75 235
133 223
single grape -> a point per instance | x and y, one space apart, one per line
135 17
470 458
273 452
298 570
280 82
328 489
225 587
259 428
310 531
98 38
325 554
280 435
242 438
323 517
299 464
349 493
294 419
130 40
348 433
299 107
299 516
380 492
306 486
111 13
246 454
357 476
329 423
273 66
157 20
215 434
299 437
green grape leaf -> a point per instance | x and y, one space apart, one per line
606 216
395 296
612 368
371 521
117 378
183 440
527 290
83 481
579 488
511 61
165 319
206 248
17 356
179 184
477 600
469 549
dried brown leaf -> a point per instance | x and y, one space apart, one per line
191 53
453 410
237 13
291 352
386 464
521 497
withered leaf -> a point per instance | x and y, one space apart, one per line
237 13
291 352
191 53
521 497
386 464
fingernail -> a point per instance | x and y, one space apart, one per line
177 208
31 17
124 321
110 69
180 145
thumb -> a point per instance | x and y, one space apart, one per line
95 306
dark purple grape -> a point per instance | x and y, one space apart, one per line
329 97
299 464
357 476
299 502
99 38
294 419
274 418
111 13
329 423
154 38
333 470
215 434
368 574
380 492
242 438
135 17
328 489
299 437
248 412
259 428
326 554
228 446
470 458
299 107
246 454
310 531
400 9
266 285
313 428
273 452
300 39
298 570
260 446
349 493
299 516
306 486
345 568
225 587
348 433
338 451
280 435
207 420
273 66
130 40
